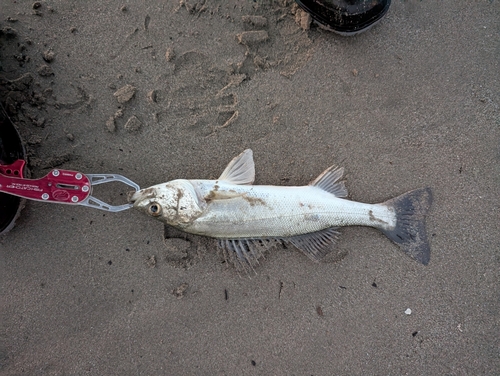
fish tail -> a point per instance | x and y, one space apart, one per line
409 233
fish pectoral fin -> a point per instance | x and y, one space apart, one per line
222 195
241 170
329 180
315 245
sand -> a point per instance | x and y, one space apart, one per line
159 90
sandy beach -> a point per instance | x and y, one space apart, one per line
161 90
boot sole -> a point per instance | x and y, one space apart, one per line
324 17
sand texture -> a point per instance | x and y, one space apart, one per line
160 90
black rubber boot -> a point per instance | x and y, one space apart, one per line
11 149
346 17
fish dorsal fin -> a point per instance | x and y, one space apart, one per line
315 245
241 170
329 180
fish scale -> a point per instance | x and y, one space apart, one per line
280 211
247 218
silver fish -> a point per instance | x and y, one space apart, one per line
248 218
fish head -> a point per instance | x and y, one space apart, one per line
175 203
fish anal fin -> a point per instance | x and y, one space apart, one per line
245 253
315 245
241 170
329 180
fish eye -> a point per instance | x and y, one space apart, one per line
154 209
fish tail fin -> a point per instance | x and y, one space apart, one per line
409 233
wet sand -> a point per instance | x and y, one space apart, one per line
161 90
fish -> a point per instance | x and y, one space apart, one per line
248 219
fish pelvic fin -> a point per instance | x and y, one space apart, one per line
330 181
244 254
241 170
409 233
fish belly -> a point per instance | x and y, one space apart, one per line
235 211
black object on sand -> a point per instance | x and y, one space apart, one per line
11 149
346 17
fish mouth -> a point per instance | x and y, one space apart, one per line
135 196
132 196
